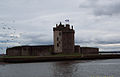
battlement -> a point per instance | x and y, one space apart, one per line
64 28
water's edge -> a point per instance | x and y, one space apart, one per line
58 58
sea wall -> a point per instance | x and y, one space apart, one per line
42 50
89 50
1 59
59 58
77 49
45 50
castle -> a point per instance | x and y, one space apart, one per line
63 43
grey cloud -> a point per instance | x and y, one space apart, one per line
36 39
102 7
109 42
35 20
109 48
83 41
97 38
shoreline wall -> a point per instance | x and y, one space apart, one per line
42 50
59 58
89 50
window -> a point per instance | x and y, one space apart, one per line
60 33
57 38
57 45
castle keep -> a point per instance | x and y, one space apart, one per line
63 43
63 39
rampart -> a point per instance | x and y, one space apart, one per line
42 50
89 50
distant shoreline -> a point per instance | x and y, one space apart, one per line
28 59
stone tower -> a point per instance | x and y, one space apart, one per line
63 39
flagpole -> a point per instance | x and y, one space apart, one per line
67 21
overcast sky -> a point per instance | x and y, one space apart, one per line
31 22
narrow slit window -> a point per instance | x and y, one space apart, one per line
57 45
57 38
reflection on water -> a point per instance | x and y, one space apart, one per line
64 69
85 68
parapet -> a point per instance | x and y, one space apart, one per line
62 27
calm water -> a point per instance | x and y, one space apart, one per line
96 68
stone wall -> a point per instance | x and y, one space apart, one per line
45 50
89 50
77 49
30 50
68 42
15 51
57 42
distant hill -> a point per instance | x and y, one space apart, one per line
109 51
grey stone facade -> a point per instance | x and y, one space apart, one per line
63 39
30 50
89 50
